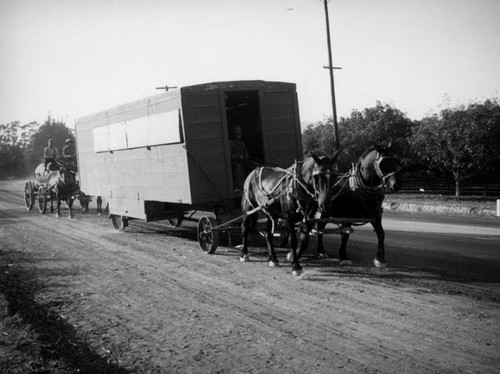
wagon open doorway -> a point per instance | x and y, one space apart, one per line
243 112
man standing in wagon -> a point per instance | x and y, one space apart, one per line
69 154
50 154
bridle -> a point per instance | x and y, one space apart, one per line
317 193
378 170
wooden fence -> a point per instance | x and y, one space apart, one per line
443 186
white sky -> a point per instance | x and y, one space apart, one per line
71 58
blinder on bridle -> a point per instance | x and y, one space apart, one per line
317 174
386 166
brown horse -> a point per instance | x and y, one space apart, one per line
294 195
359 194
62 185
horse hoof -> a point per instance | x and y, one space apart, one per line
245 258
345 263
296 273
379 264
71 216
57 215
274 264
289 256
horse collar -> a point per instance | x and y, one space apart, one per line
357 183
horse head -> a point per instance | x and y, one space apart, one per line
319 172
380 166
66 172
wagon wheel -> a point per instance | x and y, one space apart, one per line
119 222
42 200
29 195
207 238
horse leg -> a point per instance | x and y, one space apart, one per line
51 198
320 249
246 226
379 260
58 205
343 259
296 268
273 260
70 206
305 229
99 205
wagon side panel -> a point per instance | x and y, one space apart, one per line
127 176
206 144
281 127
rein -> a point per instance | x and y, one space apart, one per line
289 175
296 181
291 182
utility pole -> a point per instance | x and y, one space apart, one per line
332 86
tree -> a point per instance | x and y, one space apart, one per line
15 143
360 131
463 141
11 160
319 137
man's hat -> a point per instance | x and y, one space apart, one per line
69 141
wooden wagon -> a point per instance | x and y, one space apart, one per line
37 190
164 156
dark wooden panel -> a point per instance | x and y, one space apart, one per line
206 144
281 127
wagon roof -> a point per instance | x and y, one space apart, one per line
240 85
205 87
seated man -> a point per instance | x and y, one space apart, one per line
69 154
50 154
69 150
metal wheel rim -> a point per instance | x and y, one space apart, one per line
29 196
42 200
207 238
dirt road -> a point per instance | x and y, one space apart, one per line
78 296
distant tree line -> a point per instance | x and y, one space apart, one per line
462 143
21 145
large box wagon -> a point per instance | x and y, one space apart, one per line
159 157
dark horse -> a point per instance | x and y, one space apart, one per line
294 195
359 194
62 185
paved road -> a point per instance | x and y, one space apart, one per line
465 247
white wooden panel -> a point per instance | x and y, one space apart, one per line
156 129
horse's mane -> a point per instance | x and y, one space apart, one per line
376 147
368 151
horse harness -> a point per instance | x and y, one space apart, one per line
357 183
291 182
